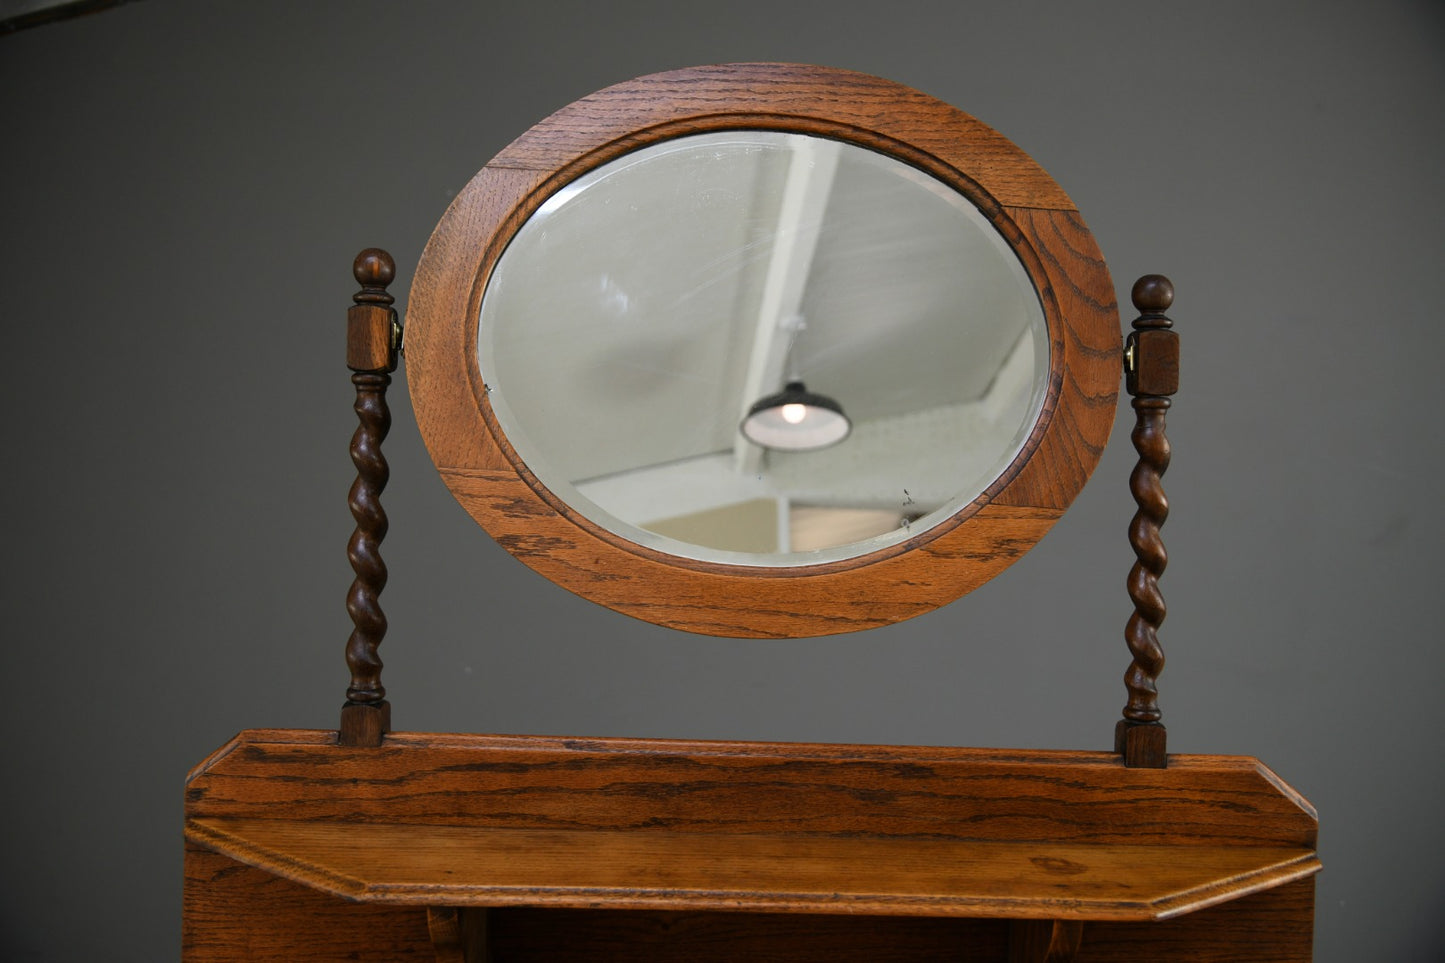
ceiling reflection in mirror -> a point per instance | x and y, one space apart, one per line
639 314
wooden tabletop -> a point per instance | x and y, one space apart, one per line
652 869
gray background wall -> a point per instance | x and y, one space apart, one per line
182 188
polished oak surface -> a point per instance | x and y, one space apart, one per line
542 782
544 824
912 876
500 820
238 912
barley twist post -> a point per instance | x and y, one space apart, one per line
372 342
1152 376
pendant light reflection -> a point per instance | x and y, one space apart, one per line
795 419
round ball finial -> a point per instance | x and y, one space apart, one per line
1152 294
373 268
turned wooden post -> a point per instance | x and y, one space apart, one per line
1151 361
372 344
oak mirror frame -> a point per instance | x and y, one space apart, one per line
1033 216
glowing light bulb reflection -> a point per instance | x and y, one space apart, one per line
794 419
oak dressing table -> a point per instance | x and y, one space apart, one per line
653 349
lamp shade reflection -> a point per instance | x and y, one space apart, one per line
796 419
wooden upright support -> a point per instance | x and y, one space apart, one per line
372 345
1151 363
459 935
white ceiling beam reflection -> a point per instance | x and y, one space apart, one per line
811 167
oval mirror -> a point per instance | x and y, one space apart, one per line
640 315
763 350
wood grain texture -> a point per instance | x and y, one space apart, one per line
799 97
741 602
1142 744
552 829
1276 926
364 724
916 576
804 830
635 784
523 782
444 925
234 912
549 783
368 338
459 934
627 869
1086 348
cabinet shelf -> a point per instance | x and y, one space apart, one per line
510 821
451 865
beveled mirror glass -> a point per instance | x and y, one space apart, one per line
610 297
643 308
